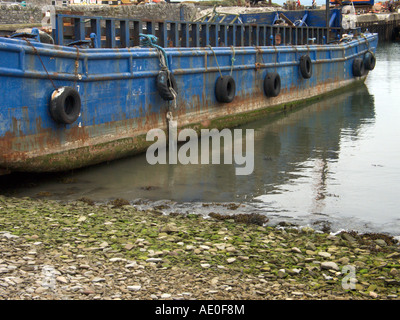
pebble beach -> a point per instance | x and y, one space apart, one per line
83 250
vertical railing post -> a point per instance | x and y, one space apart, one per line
95 25
231 41
257 35
79 29
174 34
110 33
161 34
301 40
58 34
124 33
223 35
150 28
272 37
137 29
240 35
213 37
247 35
184 35
205 35
263 35
327 11
195 35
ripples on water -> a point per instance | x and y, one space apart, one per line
334 162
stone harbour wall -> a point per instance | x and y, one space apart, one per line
16 14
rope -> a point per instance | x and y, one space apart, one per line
76 66
45 69
216 60
40 59
233 58
173 93
149 40
366 40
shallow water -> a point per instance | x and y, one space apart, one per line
334 163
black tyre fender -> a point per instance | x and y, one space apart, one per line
164 81
369 60
358 67
306 66
65 105
272 84
225 89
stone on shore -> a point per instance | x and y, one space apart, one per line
49 251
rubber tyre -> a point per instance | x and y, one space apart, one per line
358 67
65 105
163 83
225 89
45 38
272 84
306 66
369 61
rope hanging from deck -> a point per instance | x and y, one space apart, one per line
149 40
40 59
232 59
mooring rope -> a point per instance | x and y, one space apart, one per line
76 66
216 60
233 58
366 40
149 40
40 59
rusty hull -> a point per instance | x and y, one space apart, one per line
120 102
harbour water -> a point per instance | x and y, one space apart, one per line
332 164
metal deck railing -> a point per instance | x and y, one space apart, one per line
101 32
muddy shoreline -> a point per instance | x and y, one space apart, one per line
82 250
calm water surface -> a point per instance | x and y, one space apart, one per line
334 163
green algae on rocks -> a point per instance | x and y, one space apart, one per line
102 251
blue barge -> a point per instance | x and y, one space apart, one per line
93 95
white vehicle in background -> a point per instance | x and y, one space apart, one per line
11 4
349 17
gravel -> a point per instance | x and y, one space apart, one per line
80 250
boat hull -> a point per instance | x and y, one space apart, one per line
120 101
